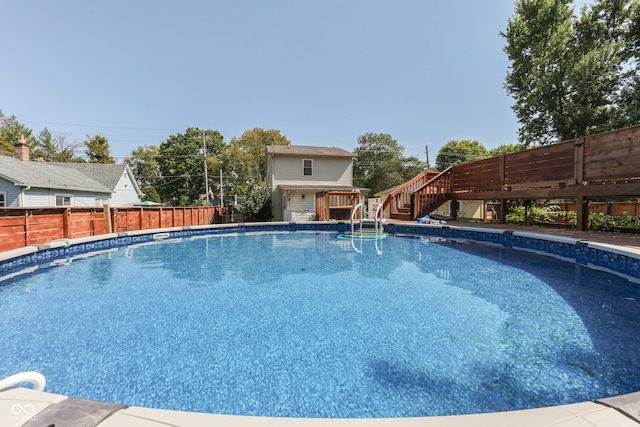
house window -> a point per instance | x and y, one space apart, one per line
63 200
3 199
307 167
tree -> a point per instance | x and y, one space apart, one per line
603 62
243 160
538 39
629 113
150 195
380 163
145 167
55 149
455 152
182 166
571 77
11 131
98 149
505 149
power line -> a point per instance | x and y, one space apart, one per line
101 126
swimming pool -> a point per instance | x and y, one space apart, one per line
301 324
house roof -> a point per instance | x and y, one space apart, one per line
48 175
106 174
307 150
389 190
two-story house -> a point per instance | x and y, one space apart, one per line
310 183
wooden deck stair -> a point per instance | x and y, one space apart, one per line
406 201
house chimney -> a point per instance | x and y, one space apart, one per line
21 150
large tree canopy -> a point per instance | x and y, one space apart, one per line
242 161
571 76
380 163
181 164
145 167
455 152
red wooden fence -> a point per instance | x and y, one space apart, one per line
32 226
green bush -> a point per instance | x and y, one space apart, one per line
539 214
256 205
611 222
552 214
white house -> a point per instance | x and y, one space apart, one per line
310 182
25 183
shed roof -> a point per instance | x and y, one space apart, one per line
307 150
48 175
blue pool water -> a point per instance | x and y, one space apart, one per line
308 325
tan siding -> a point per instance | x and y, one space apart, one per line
297 203
326 171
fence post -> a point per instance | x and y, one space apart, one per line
65 223
579 161
26 228
582 222
454 208
107 219
503 211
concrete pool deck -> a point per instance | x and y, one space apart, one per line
25 407
22 406
611 238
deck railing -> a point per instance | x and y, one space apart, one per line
400 197
601 165
335 204
432 194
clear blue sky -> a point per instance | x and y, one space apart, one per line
321 72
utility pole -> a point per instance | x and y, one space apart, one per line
206 177
221 192
426 148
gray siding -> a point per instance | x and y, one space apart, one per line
39 197
12 192
36 197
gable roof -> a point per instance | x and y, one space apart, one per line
307 150
106 174
48 175
389 190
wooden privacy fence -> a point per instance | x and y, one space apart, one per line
603 165
606 164
32 226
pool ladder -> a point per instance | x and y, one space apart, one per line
362 232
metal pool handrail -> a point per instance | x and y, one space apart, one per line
359 205
378 213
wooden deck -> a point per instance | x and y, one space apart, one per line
606 165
